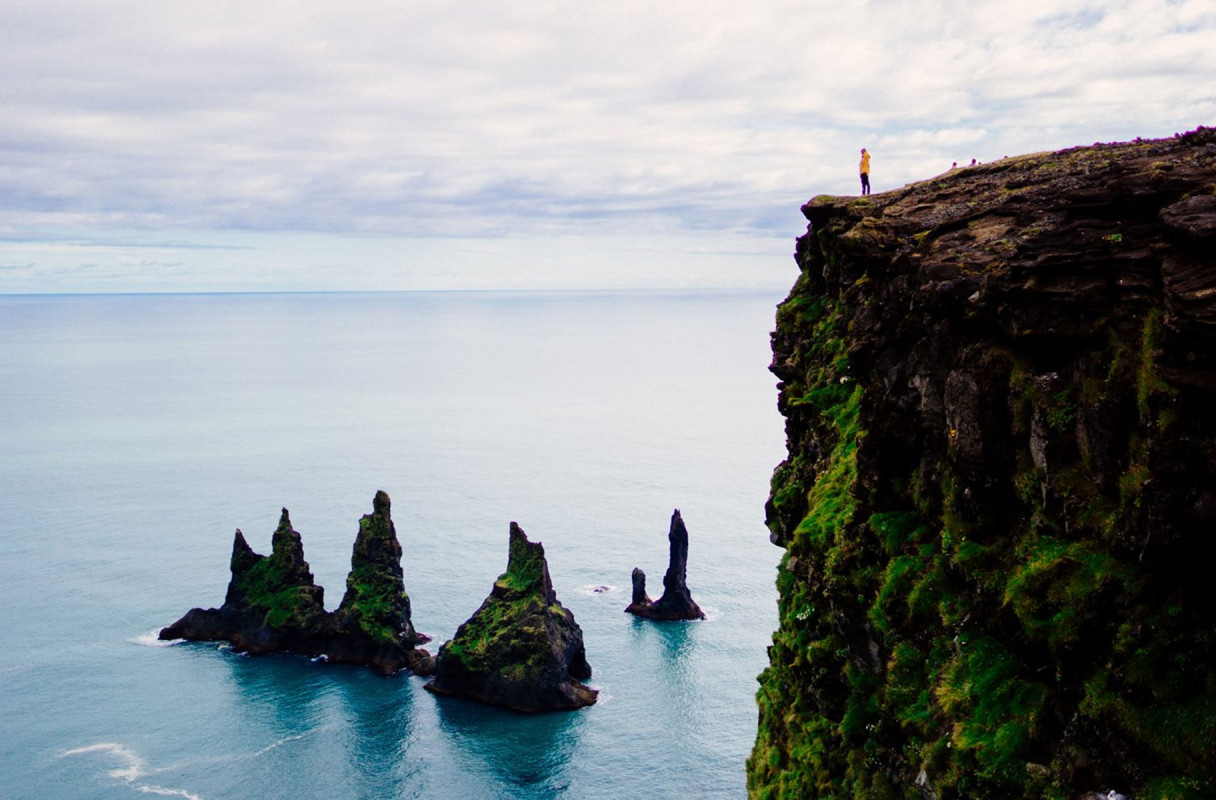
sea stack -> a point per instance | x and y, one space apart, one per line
273 605
676 602
521 649
373 620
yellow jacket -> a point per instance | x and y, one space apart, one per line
865 163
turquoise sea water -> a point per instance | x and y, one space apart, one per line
137 432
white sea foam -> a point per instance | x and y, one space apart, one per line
597 588
277 744
150 639
712 614
133 769
163 792
134 765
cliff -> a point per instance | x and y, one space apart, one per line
999 502
521 649
272 604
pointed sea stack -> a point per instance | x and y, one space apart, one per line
676 602
373 620
273 605
522 649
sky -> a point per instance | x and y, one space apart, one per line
206 145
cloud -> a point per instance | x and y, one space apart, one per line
481 119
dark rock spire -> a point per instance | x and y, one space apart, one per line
676 602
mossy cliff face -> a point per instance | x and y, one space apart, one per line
521 649
999 505
273 605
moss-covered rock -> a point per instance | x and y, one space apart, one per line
373 619
521 649
1000 399
273 605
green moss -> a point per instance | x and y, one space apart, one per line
786 487
507 637
792 757
376 604
1057 587
267 589
525 566
1148 382
895 529
984 687
831 500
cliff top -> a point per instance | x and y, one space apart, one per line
974 219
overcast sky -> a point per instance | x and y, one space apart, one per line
199 145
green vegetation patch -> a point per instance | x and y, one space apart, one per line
377 603
284 605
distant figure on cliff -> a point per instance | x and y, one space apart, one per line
865 172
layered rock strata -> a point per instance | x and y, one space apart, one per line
1000 493
676 602
521 649
273 605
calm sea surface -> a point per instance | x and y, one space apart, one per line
137 432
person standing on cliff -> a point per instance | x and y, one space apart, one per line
865 172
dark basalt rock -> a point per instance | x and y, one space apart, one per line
273 605
999 499
521 649
676 602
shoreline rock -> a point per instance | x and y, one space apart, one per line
676 602
521 649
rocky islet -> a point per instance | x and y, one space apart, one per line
273 604
676 603
521 649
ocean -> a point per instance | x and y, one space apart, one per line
138 431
